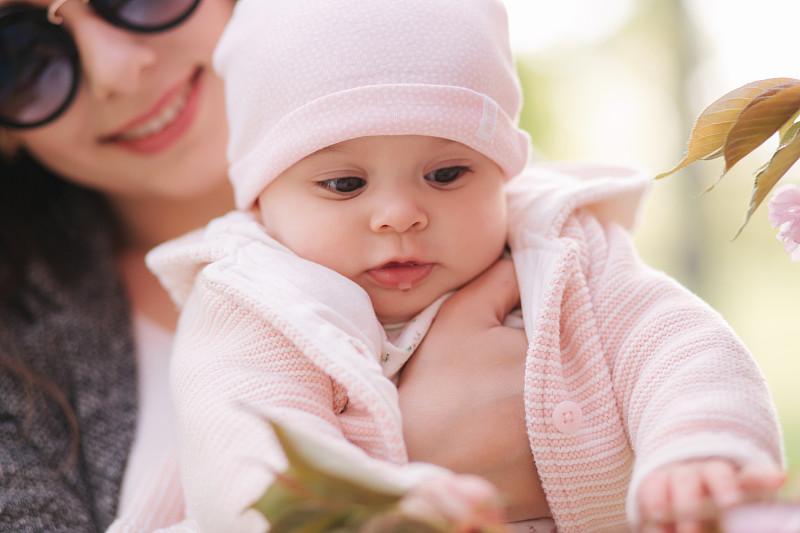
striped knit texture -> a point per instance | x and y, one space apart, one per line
659 376
238 361
566 361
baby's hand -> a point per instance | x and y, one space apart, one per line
686 497
469 503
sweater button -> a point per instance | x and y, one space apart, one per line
567 417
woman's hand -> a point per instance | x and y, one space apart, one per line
461 394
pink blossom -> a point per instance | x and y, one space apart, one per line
784 214
775 517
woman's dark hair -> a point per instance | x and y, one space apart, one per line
38 222
43 220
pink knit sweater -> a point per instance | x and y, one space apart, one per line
626 370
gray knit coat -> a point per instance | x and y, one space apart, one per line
77 335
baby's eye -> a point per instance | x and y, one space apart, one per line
447 174
346 185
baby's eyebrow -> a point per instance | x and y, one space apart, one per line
338 148
333 148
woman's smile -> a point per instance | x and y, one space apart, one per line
165 123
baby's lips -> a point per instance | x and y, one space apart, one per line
401 276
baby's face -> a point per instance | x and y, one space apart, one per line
408 218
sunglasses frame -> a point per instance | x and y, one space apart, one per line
52 22
109 15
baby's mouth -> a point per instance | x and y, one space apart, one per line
402 275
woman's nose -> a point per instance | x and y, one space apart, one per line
398 213
114 61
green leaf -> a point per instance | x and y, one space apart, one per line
395 523
305 482
311 498
282 498
322 493
307 518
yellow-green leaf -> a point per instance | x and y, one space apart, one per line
395 523
711 128
785 156
309 518
788 124
763 116
311 474
322 493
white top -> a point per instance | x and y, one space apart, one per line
155 423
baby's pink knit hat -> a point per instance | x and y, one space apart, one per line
301 75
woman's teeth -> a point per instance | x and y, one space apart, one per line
167 115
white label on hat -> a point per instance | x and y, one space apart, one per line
488 123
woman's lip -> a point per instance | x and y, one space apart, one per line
176 127
400 275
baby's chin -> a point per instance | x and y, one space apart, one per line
399 314
400 310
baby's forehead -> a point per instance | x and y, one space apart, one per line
413 149
415 144
349 144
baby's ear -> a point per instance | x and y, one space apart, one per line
257 213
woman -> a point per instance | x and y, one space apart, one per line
92 179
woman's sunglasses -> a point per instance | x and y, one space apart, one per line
39 64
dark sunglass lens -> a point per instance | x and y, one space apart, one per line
146 15
38 76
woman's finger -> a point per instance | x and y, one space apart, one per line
485 301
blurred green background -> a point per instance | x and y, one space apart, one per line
623 81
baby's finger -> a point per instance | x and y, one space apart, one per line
687 493
438 494
456 499
760 480
654 503
722 483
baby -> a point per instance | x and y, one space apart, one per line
378 168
